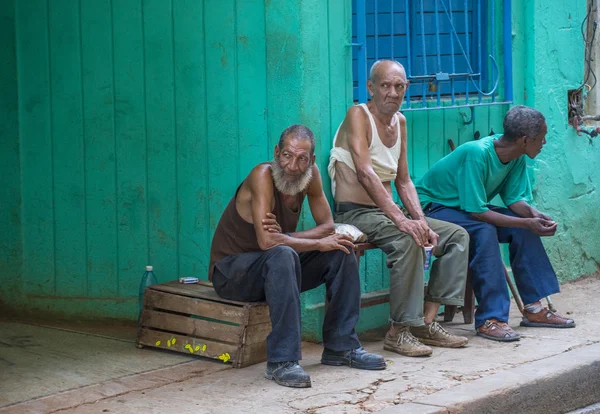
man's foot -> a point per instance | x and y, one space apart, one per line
356 358
288 374
497 331
404 343
434 334
546 319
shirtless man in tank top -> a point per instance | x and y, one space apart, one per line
257 255
370 152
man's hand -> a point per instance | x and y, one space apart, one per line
270 224
433 238
542 226
539 214
419 230
341 242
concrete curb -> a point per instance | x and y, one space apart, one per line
557 384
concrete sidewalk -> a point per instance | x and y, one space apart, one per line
549 370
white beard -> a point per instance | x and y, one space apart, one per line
289 186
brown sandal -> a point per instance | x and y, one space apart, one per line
497 331
546 319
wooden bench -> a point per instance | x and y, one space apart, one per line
193 319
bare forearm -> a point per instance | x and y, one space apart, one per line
318 232
501 220
522 209
375 189
298 244
410 200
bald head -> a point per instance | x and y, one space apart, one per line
381 66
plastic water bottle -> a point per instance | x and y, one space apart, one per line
147 279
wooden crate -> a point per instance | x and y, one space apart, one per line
193 319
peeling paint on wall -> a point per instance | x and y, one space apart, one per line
550 49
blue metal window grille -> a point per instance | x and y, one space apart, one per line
448 48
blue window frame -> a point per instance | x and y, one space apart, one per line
446 46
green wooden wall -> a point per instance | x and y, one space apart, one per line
11 256
137 121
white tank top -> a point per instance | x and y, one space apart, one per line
384 159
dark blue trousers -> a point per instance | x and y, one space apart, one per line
533 273
278 275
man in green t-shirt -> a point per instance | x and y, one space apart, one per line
459 188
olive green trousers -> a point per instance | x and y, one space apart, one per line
405 259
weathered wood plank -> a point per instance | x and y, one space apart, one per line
257 333
197 328
193 290
258 313
193 306
252 354
198 346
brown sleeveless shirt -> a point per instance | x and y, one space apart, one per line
234 235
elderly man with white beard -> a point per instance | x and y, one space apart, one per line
257 255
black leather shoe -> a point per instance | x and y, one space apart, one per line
288 374
356 358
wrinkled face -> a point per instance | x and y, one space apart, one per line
292 166
533 146
388 87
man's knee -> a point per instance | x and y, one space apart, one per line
461 238
283 253
484 232
283 263
524 235
406 247
341 258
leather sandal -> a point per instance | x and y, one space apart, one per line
497 331
546 319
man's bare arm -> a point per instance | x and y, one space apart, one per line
417 227
404 184
261 184
523 209
356 125
538 225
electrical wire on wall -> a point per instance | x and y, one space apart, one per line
577 96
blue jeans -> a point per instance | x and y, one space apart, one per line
533 273
278 275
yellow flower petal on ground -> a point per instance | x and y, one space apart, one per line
169 343
157 343
173 341
197 348
191 350
203 347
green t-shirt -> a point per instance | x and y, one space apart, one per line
470 176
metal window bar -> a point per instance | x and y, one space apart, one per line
455 80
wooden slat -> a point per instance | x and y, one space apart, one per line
252 354
193 290
258 313
213 349
374 298
193 306
361 247
197 328
257 333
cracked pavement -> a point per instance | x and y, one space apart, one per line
202 386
